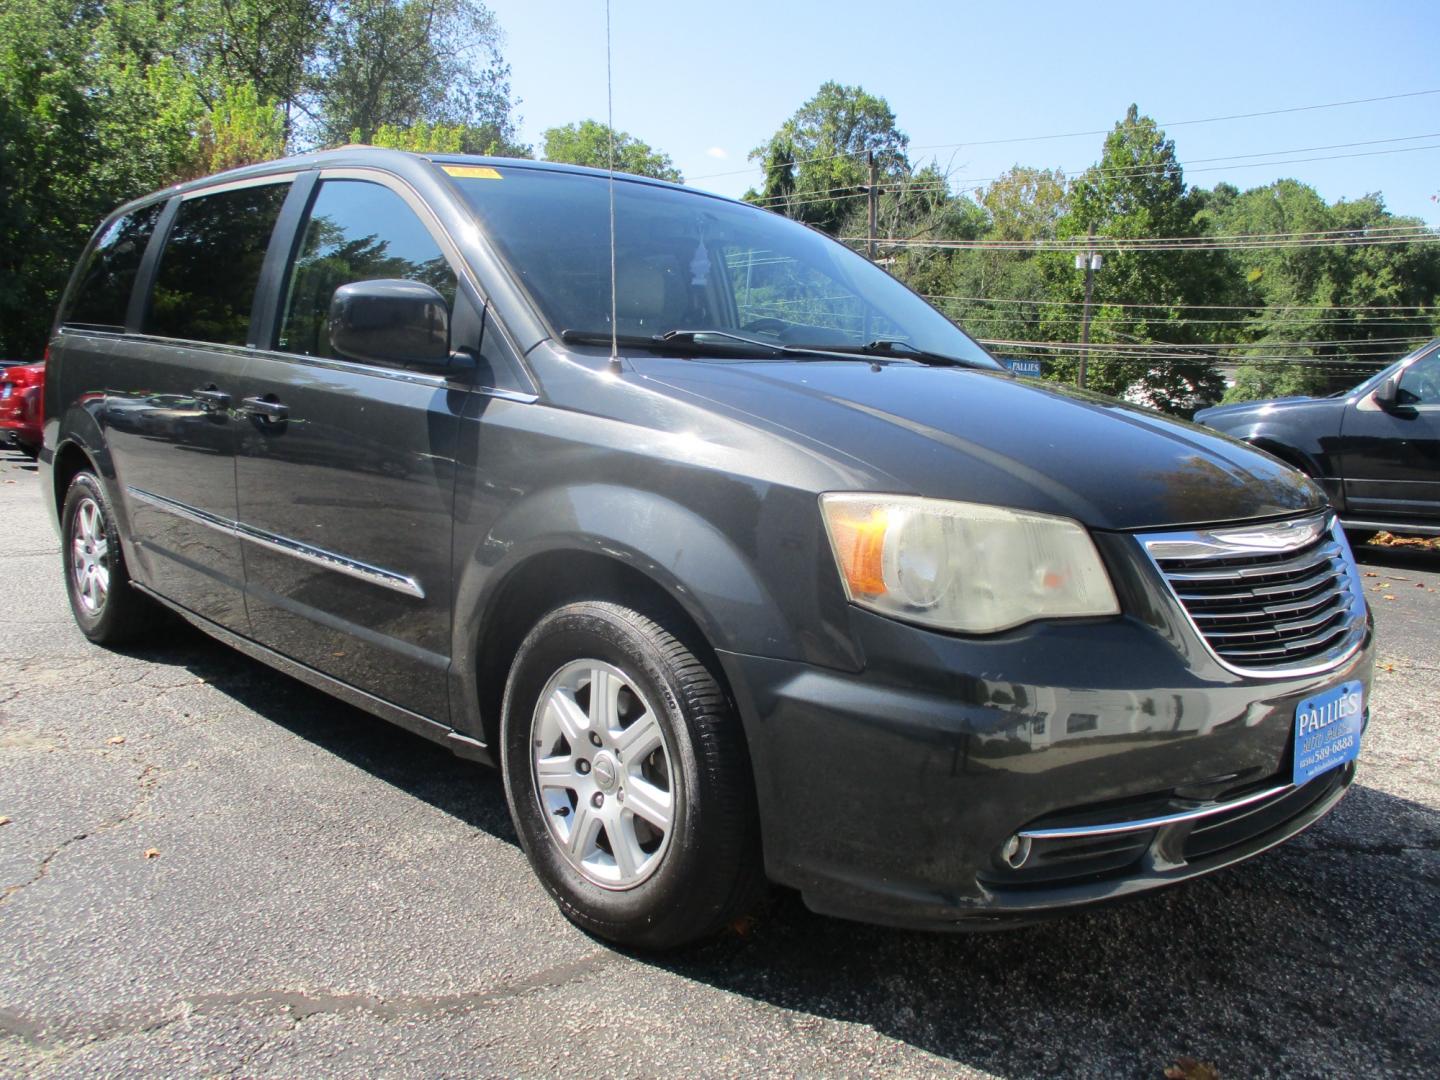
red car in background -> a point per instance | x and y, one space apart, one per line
22 410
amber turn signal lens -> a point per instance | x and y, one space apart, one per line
859 547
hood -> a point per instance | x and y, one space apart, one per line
1223 417
962 433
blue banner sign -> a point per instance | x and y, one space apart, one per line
1022 367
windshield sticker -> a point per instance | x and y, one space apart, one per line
472 172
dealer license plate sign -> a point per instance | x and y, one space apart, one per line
1327 730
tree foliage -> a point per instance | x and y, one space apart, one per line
818 161
588 143
104 100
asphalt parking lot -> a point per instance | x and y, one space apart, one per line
208 869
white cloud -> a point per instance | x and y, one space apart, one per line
717 152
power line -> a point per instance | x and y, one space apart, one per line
1128 170
1193 307
970 319
1097 131
1121 246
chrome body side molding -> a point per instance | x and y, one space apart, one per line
330 560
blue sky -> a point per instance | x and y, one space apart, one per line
706 83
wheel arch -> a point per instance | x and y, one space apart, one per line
635 548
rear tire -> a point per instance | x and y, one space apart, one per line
106 607
628 779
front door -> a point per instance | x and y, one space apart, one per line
346 470
1390 457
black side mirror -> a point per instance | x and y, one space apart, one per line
392 322
1387 394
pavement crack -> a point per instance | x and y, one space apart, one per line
148 779
300 1005
40 871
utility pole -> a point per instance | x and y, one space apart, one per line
1090 262
874 200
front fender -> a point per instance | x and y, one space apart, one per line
681 552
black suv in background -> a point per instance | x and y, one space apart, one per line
753 567
1375 449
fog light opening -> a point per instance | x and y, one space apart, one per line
1016 851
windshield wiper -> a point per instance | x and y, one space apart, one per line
892 347
706 341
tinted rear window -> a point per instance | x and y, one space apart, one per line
205 286
103 293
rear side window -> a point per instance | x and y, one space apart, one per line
205 286
103 293
357 231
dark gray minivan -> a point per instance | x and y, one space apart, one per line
789 582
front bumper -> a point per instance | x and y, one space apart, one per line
891 795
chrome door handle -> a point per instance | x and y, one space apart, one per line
212 397
267 410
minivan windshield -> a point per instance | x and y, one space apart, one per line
688 262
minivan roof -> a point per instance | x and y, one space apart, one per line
398 161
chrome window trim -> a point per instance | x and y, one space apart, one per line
330 560
1143 824
1264 538
241 185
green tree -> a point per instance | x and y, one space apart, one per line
400 62
91 114
1138 191
817 163
588 143
240 130
1324 314
1023 204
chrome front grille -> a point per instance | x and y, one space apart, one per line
1275 598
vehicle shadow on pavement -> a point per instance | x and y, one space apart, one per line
463 789
17 459
1318 957
1399 557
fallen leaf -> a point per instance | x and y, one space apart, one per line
1371 573
115 740
1387 596
1386 539
1387 667
1187 1068
1419 584
152 853
4 820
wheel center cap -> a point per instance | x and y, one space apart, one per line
605 770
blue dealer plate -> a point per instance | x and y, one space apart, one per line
1327 730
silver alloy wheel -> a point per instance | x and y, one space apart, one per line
603 774
89 548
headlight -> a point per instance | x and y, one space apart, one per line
963 566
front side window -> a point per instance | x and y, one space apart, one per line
205 285
102 295
685 261
1422 381
357 231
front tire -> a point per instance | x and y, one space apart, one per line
106 608
628 780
